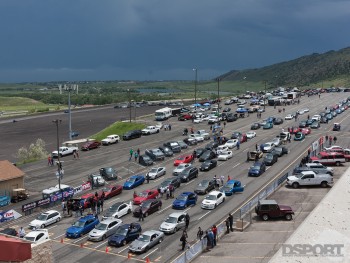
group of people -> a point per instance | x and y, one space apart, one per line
167 127
220 180
134 154
331 139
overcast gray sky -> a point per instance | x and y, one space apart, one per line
50 40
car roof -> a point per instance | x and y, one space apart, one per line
49 212
150 232
34 233
177 214
267 202
214 192
110 220
186 193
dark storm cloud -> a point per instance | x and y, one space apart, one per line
161 39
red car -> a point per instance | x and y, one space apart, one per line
145 195
185 117
243 138
306 131
183 159
111 190
87 199
294 130
90 145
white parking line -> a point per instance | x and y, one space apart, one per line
246 150
50 227
187 209
80 239
122 250
236 165
189 182
156 180
128 170
101 244
59 236
204 215
268 167
111 200
164 209
150 253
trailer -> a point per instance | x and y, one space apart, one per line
163 114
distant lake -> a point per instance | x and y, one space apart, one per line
155 90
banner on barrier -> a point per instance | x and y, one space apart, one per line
9 215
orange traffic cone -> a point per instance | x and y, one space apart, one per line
147 260
81 244
61 239
107 249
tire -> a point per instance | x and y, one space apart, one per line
288 217
337 163
175 230
42 226
58 220
324 184
146 214
124 242
223 200
295 185
265 217
103 237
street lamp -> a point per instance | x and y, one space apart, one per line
129 105
265 95
195 87
218 79
59 172
245 85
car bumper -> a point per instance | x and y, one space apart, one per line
95 238
204 206
71 235
167 231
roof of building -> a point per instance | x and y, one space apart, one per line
8 171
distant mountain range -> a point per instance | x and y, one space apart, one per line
303 71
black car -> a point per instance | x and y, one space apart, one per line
235 135
324 120
226 109
199 152
191 141
9 231
212 145
132 135
155 154
315 125
277 121
182 144
270 159
125 233
208 165
255 126
309 122
174 146
174 181
302 124
145 160
167 151
188 174
148 207
257 169
108 173
280 150
205 187
231 117
207 155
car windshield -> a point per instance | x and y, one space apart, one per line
131 180
29 238
79 224
108 170
225 188
207 163
144 238
101 226
255 167
181 197
165 183
143 194
173 144
171 220
121 231
210 197
145 205
42 217
181 166
203 183
154 170
181 158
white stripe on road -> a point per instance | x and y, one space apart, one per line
189 182
59 236
110 201
101 244
76 241
50 227
236 165
204 215
159 212
122 250
187 209
150 253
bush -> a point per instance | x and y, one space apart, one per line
35 152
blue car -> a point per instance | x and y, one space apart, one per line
125 234
184 200
299 136
84 225
257 169
134 181
268 125
4 200
270 119
231 187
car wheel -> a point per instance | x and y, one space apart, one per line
175 229
223 200
324 184
160 240
146 214
295 185
288 217
58 220
42 226
124 242
103 237
129 211
265 217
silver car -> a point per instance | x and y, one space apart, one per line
156 172
180 168
104 229
174 222
146 241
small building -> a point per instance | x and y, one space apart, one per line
11 177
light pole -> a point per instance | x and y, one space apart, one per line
195 87
129 105
265 95
59 165
245 85
218 95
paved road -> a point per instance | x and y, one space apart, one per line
39 176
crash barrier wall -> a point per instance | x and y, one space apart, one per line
244 215
54 200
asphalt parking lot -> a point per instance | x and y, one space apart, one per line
261 240
39 176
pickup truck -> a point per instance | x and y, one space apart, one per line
150 130
65 150
111 139
309 178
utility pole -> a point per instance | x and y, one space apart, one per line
265 96
59 172
195 87
129 105
69 88
218 95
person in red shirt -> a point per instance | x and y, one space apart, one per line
215 231
228 178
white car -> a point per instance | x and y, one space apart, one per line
45 219
289 117
268 147
276 141
222 149
198 120
180 168
224 156
213 199
231 143
111 139
173 222
197 137
104 229
316 117
118 210
204 134
37 236
150 130
300 112
156 172
251 134
334 147
306 110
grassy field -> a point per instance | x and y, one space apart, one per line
23 104
117 128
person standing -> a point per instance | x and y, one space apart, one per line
330 140
98 206
183 240
215 231
171 189
77 154
335 140
228 178
138 151
238 143
141 216
199 233
147 178
103 196
227 223
21 232
49 160
230 219
136 156
222 178
167 193
187 221
210 237
131 153
81 209
169 126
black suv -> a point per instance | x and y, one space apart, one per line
145 160
132 135
207 155
174 146
188 174
155 154
108 173
167 151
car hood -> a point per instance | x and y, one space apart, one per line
128 184
97 232
167 225
292 178
200 188
208 202
138 244
139 199
74 229
254 170
179 202
117 238
285 208
178 170
36 222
